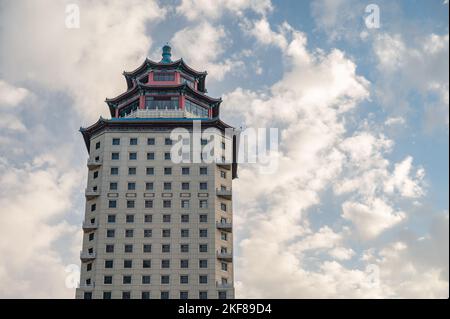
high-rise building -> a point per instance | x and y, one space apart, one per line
156 227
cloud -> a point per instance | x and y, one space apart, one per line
85 63
202 46
10 95
202 9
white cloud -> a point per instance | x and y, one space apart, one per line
11 122
202 9
393 121
87 62
11 95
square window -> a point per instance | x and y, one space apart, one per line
167 170
147 233
111 219
132 156
184 295
129 233
185 203
127 263
203 141
203 185
109 264
126 295
223 174
167 203
167 156
107 295
149 186
203 171
185 218
166 233
165 279
184 248
116 141
203 218
222 295
133 141
167 141
184 263
185 233
131 186
129 218
203 203
150 156
110 233
202 279
112 203
115 156
203 295
128 248
167 186
130 203
147 248
109 248
148 203
146 279
150 171
203 233
166 218
184 279
131 170
165 263
107 280
203 263
185 186
203 248
164 295
224 266
146 263
150 141
113 186
148 218
114 171
185 170
165 248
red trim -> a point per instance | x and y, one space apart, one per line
181 102
117 113
150 77
142 102
151 80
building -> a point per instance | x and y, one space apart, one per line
155 228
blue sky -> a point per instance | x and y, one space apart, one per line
362 114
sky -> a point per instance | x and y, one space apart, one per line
358 207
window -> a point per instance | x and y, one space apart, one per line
133 141
203 295
107 280
150 171
203 263
167 156
147 248
184 263
132 156
93 207
185 170
110 233
203 141
203 203
129 233
203 218
195 109
149 186
222 144
131 170
114 171
112 203
203 186
185 203
145 295
184 279
128 248
223 236
184 295
147 233
184 233
185 186
148 218
222 295
150 141
148 203
203 232
223 207
185 218
127 263
130 203
184 248
115 156
146 263
146 279
109 248
166 232
150 156
203 171
109 264
129 218
111 219
164 295
164 76
131 186
167 186
165 248
91 236
202 279
166 218
224 266
89 267
113 186
167 141
107 295
165 263
203 248
223 174
116 141
167 203
95 175
126 280
167 170
165 279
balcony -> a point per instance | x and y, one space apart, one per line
85 256
223 285
92 163
91 194
225 193
224 165
224 226
224 256
88 226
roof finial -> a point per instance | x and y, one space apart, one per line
166 54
